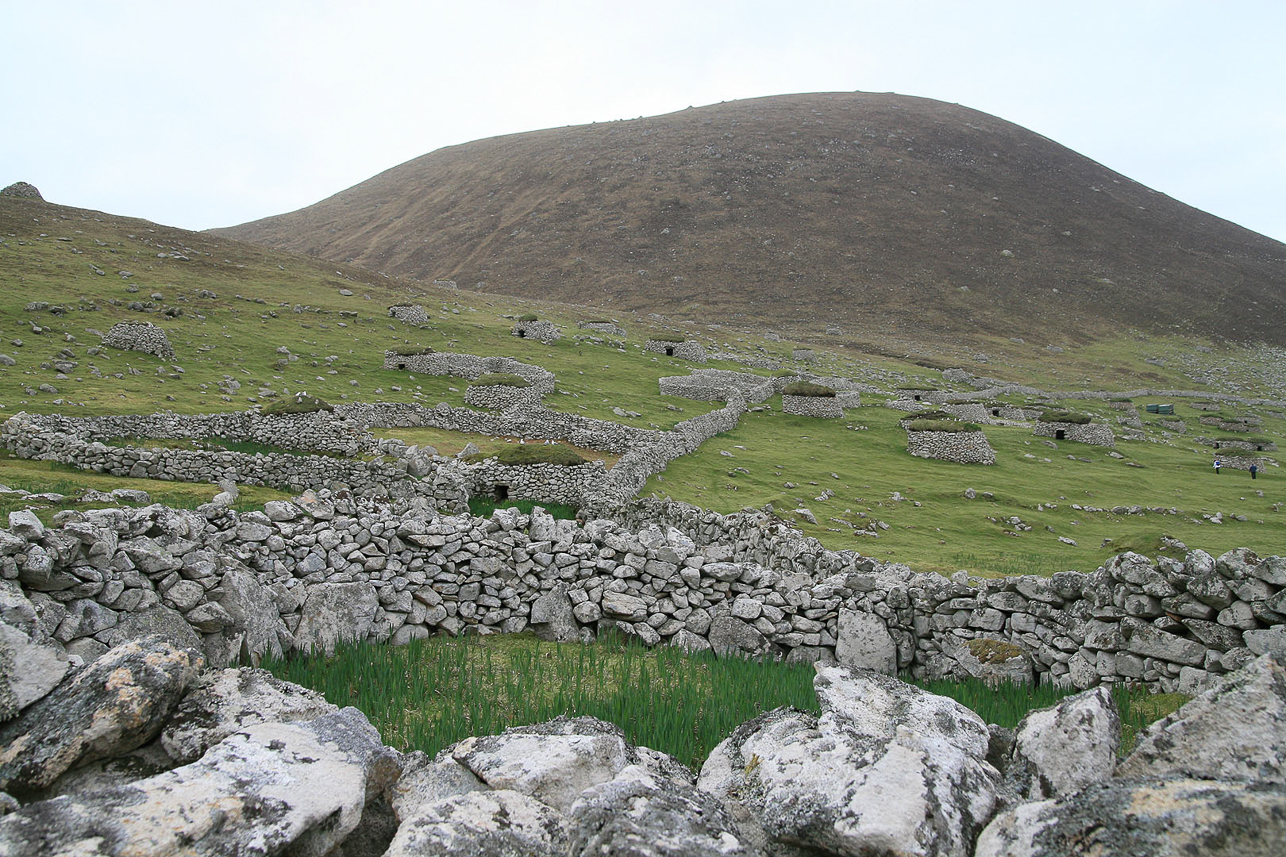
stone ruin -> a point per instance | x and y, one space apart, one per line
544 331
961 447
606 327
139 336
22 190
1095 434
812 406
409 313
685 350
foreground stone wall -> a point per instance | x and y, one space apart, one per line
962 447
302 575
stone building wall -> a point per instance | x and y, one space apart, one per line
812 406
686 350
297 575
409 313
1096 434
1242 460
469 366
605 327
576 486
973 413
499 397
714 385
804 355
545 331
139 336
962 447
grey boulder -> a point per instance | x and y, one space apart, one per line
1059 750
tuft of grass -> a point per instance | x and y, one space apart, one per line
500 379
300 403
482 506
666 337
809 389
411 350
1065 417
530 316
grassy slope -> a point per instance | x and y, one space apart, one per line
237 333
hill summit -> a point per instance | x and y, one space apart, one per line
877 216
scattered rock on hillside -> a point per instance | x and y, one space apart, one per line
22 190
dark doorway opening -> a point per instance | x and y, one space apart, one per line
669 351
501 493
522 334
401 365
917 397
1060 434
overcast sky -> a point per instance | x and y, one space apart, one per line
214 113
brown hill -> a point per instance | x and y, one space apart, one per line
888 216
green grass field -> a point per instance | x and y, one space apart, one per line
251 327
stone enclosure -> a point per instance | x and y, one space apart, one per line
962 447
139 336
685 350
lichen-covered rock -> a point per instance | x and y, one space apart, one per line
223 702
1057 751
1234 731
28 669
297 788
863 642
1151 818
888 768
638 814
116 704
335 612
501 823
553 762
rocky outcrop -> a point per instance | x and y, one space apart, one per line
247 764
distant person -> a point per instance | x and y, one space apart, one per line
1216 467
1254 471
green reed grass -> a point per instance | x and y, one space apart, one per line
435 692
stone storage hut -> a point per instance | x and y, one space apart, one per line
403 356
468 366
804 355
22 190
805 399
530 327
962 443
410 313
676 346
972 411
610 328
1248 444
139 336
501 390
715 385
1066 425
1241 460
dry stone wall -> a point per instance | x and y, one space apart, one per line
303 575
606 327
469 366
715 385
812 406
498 397
409 313
686 350
962 447
545 331
1096 434
139 336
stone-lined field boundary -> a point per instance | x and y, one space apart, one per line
303 575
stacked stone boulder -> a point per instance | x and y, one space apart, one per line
139 336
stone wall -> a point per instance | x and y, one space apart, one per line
498 397
139 336
804 355
301 575
812 406
686 350
26 437
545 331
469 366
545 483
1243 461
409 313
962 447
1245 445
974 413
606 327
714 385
1096 434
